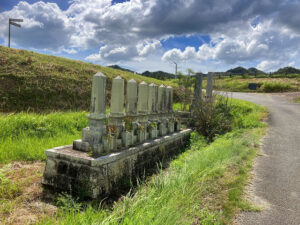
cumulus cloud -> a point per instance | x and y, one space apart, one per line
264 41
45 26
240 31
269 65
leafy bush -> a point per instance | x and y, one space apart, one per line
213 118
225 114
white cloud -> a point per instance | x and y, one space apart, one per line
70 51
133 30
268 66
45 26
265 41
148 47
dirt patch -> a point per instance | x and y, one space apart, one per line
21 200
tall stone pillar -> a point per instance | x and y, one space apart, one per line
197 92
160 98
131 98
117 103
162 110
129 137
142 105
166 100
209 88
156 99
198 87
170 99
169 109
92 136
142 108
151 98
117 97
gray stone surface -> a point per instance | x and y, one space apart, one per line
198 87
98 96
151 98
92 136
131 97
117 97
160 98
170 99
142 105
209 87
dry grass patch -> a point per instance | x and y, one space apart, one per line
21 193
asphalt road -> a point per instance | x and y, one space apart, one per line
276 181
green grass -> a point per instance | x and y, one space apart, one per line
276 87
203 185
40 83
25 136
275 84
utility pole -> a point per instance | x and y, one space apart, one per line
175 69
12 22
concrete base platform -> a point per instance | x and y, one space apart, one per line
77 173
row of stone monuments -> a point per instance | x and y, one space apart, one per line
140 131
144 112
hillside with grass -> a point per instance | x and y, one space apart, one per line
31 81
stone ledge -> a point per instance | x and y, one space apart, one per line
74 171
68 153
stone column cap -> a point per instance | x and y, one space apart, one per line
143 83
99 74
118 78
132 81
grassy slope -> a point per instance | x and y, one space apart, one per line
203 186
37 82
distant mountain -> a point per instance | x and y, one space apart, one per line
254 71
288 70
238 71
243 71
161 75
120 68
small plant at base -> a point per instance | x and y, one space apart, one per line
153 126
68 204
128 124
141 127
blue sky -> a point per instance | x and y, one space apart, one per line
205 35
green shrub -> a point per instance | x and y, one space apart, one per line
212 119
225 114
275 87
